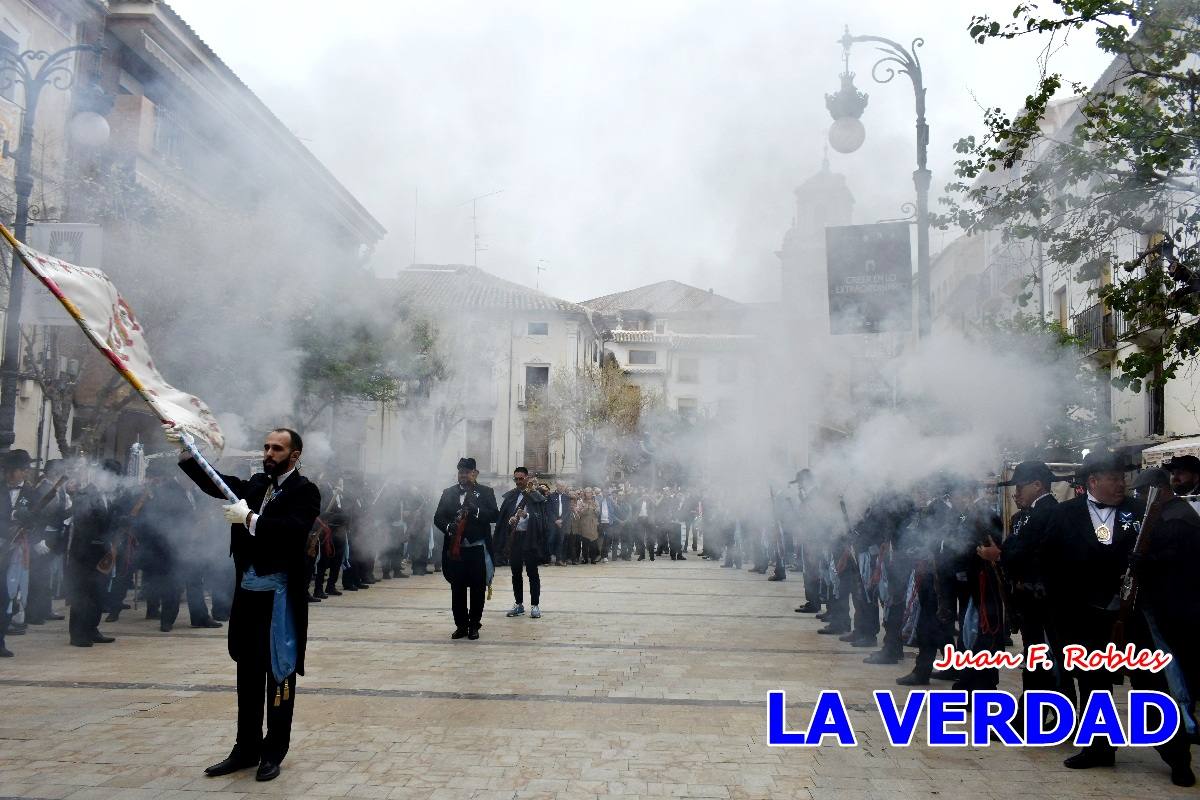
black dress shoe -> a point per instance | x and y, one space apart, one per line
221 617
55 617
320 595
348 589
459 633
229 766
30 621
5 652
1182 775
809 608
100 638
830 630
113 616
776 578
913 679
165 627
945 675
208 623
680 557
849 637
267 771
80 643
473 634
864 641
882 657
332 590
1086 759
312 599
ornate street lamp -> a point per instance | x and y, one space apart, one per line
34 70
847 135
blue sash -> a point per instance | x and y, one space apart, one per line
283 627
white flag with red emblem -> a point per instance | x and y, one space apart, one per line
93 301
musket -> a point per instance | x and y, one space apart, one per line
1155 498
460 528
106 562
38 508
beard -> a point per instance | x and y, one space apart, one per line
274 469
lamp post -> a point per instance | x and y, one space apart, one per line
847 135
34 70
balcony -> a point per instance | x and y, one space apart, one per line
1094 325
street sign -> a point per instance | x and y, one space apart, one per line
870 278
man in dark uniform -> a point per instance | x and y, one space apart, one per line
48 541
467 559
91 559
1085 554
268 624
932 600
1167 606
16 516
1020 558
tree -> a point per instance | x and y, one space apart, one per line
343 360
597 405
1112 196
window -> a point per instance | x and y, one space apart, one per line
536 381
643 357
660 326
687 407
687 370
538 329
727 370
1060 306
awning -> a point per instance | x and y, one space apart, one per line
1156 455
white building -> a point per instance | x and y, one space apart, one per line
685 344
503 343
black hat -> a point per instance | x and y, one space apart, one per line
466 463
802 475
17 459
1100 461
1030 471
1186 463
111 465
1155 476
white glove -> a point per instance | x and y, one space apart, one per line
175 434
236 513
41 548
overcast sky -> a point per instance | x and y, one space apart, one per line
633 141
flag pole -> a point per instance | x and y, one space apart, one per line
122 370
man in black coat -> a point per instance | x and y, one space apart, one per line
1020 558
523 527
558 521
98 511
268 624
1084 554
467 560
16 519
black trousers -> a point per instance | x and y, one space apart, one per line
467 616
330 567
256 688
40 606
1031 624
866 607
5 616
191 581
87 589
530 563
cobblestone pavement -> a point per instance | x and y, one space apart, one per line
642 679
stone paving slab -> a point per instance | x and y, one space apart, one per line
641 680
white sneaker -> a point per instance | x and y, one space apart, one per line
517 610
535 612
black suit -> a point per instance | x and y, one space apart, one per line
277 546
1021 558
468 571
12 518
94 522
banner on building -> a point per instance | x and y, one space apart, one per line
106 318
870 278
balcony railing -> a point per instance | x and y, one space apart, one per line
1094 325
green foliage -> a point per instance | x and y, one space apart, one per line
343 359
1113 192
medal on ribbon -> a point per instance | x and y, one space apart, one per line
1104 534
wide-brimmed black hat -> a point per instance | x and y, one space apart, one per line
801 476
1100 461
17 459
1030 471
1186 463
1155 476
466 463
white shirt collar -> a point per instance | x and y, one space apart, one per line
284 477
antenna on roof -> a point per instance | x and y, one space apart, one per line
475 223
537 284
